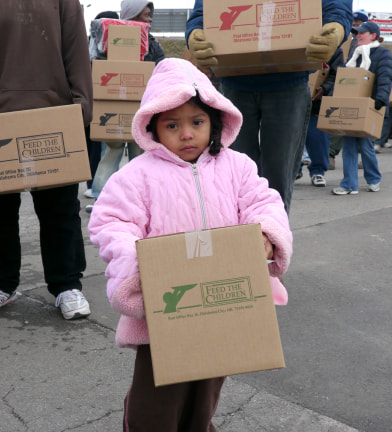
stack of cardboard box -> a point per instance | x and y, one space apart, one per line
350 110
118 85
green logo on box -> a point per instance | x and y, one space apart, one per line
226 291
127 42
213 294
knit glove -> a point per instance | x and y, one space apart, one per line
322 47
378 104
201 50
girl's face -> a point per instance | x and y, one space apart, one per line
144 16
365 38
185 131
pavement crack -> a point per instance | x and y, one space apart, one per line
90 422
12 409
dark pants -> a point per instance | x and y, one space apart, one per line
273 132
335 145
184 407
317 145
62 247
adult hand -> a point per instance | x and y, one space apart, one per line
319 94
322 47
378 104
202 51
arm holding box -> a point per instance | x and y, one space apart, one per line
337 22
258 203
381 66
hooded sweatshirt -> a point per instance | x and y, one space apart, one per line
158 193
130 9
44 58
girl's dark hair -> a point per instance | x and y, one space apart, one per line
215 120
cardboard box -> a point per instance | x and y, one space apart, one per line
353 82
346 47
120 80
355 117
124 43
261 37
209 305
42 148
316 79
99 35
112 121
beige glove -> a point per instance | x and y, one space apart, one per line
201 50
321 48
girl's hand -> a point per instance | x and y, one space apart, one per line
269 249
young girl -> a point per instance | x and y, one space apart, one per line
370 56
186 180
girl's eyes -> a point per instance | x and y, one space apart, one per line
175 126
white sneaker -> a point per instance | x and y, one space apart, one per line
377 148
6 298
343 191
318 180
89 193
374 187
387 145
89 208
73 304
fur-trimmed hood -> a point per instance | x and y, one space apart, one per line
173 82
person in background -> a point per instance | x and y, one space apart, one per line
94 148
187 179
276 107
336 142
360 16
370 56
50 37
317 141
132 10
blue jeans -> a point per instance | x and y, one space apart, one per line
273 133
386 129
109 164
350 162
317 145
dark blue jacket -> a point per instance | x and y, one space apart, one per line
381 66
333 11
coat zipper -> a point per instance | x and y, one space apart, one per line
197 181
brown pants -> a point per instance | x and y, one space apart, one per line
184 407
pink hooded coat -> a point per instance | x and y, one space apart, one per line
158 193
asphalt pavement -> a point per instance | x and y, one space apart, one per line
60 376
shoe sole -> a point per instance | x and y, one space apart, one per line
345 193
319 185
374 190
76 314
